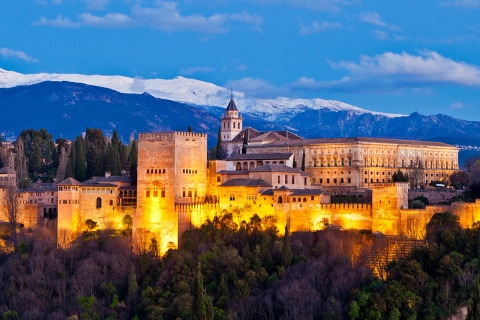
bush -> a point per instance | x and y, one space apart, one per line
416 204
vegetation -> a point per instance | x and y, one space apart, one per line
225 270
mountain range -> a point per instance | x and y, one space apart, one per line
66 104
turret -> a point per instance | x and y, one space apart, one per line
231 122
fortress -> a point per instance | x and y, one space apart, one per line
272 174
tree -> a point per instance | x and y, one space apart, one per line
80 162
9 210
474 175
189 129
202 308
133 162
219 152
399 176
91 224
459 179
474 303
303 160
286 249
245 142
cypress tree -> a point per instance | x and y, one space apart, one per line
286 249
303 160
245 142
68 169
133 161
202 308
72 159
80 163
219 148
189 129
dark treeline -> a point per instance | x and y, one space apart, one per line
226 271
37 156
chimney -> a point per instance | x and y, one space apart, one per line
107 174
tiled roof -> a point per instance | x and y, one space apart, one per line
233 172
110 179
295 192
6 170
270 167
354 140
259 156
69 182
253 135
246 183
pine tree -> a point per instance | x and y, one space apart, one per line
286 249
202 308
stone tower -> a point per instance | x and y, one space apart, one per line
231 122
171 172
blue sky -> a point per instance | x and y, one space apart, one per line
387 56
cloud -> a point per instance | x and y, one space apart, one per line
380 35
48 2
319 27
97 5
391 72
321 5
164 16
469 4
59 21
195 70
257 88
456 106
9 53
375 19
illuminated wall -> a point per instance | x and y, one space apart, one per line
171 171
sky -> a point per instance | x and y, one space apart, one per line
387 56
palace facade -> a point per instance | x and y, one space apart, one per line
272 174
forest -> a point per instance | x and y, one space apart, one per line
223 270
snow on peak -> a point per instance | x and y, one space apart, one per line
188 91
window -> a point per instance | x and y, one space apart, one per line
328 180
293 179
305 181
148 193
155 193
304 199
218 179
99 203
312 198
232 197
163 193
349 180
111 202
286 179
278 179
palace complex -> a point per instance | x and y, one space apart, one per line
272 174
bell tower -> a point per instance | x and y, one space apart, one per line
231 122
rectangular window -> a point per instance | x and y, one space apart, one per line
321 181
218 179
349 180
312 198
155 193
335 180
163 193
148 193
328 181
111 202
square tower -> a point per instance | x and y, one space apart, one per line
171 171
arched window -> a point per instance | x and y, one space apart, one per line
304 199
239 125
234 125
294 200
280 200
99 203
238 166
286 179
278 179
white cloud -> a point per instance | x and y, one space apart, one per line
9 53
97 5
59 21
375 19
322 5
164 16
393 72
380 35
319 27
109 20
456 106
195 70
48 2
256 88
469 4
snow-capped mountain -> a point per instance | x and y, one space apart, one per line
190 91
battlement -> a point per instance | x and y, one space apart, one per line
154 136
356 206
